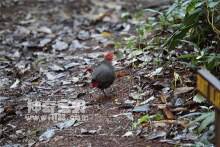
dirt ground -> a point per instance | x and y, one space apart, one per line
45 47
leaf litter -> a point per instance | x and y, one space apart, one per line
52 55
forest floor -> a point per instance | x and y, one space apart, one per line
45 95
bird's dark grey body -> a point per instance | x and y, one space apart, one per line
103 75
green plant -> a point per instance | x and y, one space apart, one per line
146 118
191 26
195 22
209 60
194 27
204 120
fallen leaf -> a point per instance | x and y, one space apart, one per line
141 108
83 35
121 73
135 95
9 110
199 98
177 122
182 90
45 29
127 134
156 134
148 100
156 72
76 45
56 67
15 84
106 34
129 115
60 45
66 124
168 113
70 65
44 42
52 76
46 136
101 16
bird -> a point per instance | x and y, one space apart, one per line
103 74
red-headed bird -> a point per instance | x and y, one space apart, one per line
104 74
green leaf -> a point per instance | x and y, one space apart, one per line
119 55
198 98
207 121
171 9
213 4
177 36
157 116
143 119
154 11
211 59
191 43
187 56
192 19
201 117
136 52
191 6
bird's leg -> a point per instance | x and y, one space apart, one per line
104 92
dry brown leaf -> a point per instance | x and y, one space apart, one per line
121 73
182 90
178 122
168 113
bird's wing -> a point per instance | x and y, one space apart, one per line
103 73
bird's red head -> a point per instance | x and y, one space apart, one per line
108 56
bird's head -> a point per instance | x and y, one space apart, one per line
108 56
